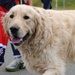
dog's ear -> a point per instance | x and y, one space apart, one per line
40 11
40 15
39 20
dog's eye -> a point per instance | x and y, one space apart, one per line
11 16
26 17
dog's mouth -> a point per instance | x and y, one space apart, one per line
17 41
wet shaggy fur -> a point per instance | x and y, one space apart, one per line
51 42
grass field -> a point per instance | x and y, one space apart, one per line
68 4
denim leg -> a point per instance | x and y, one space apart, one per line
16 53
47 4
2 53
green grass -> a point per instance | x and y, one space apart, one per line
36 3
69 4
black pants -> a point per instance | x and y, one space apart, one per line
2 52
47 4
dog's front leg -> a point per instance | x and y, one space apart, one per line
54 71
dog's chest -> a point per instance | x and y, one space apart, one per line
35 62
34 57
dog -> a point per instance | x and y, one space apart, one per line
45 38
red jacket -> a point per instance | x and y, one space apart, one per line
3 36
28 2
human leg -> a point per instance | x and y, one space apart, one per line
16 53
47 4
3 43
2 52
17 63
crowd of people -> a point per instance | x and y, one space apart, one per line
5 6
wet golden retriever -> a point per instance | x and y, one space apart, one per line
45 38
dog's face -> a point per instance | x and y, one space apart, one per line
20 23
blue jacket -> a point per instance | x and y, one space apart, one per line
7 3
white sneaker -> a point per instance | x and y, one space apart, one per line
16 65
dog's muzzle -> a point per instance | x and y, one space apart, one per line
16 39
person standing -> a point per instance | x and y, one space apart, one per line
3 38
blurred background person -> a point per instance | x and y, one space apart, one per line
47 4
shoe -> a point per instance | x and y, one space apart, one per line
16 65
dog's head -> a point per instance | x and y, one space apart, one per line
20 23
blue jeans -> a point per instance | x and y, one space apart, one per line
47 4
2 52
15 51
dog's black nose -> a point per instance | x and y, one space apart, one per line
14 31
